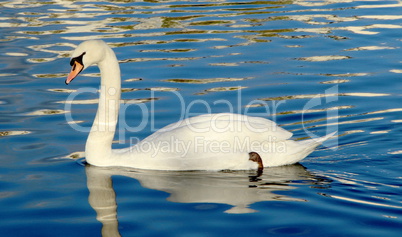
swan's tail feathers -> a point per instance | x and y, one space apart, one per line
311 144
295 151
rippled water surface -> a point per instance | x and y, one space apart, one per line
312 66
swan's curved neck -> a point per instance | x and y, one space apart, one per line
98 148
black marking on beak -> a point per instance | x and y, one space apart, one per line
78 59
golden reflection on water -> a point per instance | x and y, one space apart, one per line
323 58
63 90
123 90
162 89
310 96
96 101
51 75
370 48
75 155
337 81
347 74
13 133
159 59
218 89
206 80
46 112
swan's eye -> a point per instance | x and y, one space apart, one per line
78 59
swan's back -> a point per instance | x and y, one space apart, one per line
219 126
216 142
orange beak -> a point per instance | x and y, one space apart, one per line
75 70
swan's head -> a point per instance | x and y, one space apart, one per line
86 54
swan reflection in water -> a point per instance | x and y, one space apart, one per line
239 189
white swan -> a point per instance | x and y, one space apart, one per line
205 142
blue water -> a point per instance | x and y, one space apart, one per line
312 66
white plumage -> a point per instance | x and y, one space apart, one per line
205 142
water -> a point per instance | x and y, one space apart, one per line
312 66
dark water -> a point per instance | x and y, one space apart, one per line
312 66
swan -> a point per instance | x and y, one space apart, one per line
223 141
